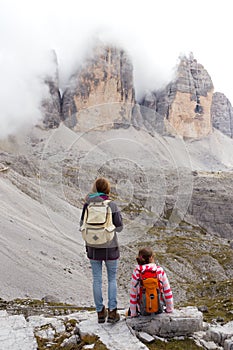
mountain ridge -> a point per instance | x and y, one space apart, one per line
187 105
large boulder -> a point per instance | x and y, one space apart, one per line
183 322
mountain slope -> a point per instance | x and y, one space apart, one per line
163 186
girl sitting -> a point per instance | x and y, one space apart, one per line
141 301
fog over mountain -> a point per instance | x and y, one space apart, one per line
154 35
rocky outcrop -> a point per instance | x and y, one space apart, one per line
16 333
101 93
185 103
181 322
51 106
222 114
216 337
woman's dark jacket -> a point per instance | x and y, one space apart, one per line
112 252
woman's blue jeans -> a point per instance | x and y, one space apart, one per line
111 266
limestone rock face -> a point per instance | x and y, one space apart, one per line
148 119
222 114
187 103
101 93
211 204
51 106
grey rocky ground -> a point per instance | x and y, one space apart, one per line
80 330
174 196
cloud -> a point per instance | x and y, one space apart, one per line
154 34
23 65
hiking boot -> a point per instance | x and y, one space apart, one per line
102 315
113 316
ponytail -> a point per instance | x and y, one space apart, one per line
144 256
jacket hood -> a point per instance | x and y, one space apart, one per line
96 197
146 267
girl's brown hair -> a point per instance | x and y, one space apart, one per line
101 185
144 256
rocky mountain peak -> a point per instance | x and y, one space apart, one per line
185 103
192 78
101 92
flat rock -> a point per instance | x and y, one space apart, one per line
16 333
114 336
145 337
183 322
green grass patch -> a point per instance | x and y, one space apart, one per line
29 307
188 344
217 297
43 344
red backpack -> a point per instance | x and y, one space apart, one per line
150 296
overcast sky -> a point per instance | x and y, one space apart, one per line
153 32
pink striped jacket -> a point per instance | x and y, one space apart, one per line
135 287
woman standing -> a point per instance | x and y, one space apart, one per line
108 255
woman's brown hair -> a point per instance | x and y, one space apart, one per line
144 256
101 185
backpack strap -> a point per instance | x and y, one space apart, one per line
107 201
141 271
152 272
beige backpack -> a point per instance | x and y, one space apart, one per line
98 229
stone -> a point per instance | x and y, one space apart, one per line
39 321
220 334
203 308
47 333
16 333
209 345
214 335
89 346
50 299
74 339
183 322
145 337
228 344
